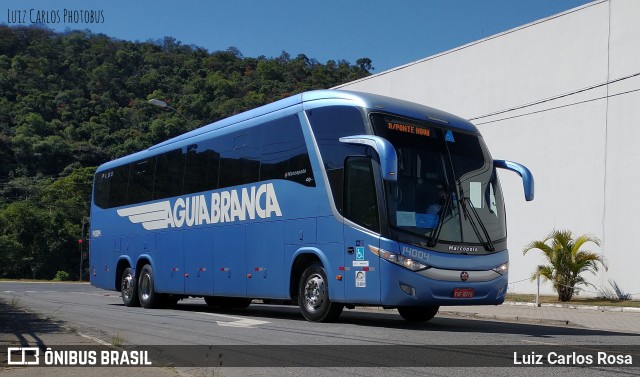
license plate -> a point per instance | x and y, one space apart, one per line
463 293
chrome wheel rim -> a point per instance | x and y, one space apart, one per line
314 292
127 287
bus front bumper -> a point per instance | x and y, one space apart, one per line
403 287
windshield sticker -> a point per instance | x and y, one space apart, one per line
475 194
404 218
361 279
449 137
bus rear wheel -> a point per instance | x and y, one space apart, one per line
129 288
418 313
313 296
147 295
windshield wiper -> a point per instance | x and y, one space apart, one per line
466 200
435 232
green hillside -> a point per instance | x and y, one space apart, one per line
70 101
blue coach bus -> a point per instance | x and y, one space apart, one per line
328 198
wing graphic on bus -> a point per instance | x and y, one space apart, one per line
152 216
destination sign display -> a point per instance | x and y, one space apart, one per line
408 128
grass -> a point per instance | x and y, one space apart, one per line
117 340
576 300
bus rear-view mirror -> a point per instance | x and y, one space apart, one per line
527 177
386 152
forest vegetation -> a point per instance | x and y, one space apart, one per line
71 101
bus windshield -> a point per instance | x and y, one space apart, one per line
447 196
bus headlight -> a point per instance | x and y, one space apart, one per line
400 260
502 269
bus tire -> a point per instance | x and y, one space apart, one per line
418 313
313 296
149 298
129 288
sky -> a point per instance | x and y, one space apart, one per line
389 32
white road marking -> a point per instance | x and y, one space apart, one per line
539 342
237 321
246 323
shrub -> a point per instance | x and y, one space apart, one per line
61 276
565 261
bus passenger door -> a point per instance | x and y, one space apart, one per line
361 230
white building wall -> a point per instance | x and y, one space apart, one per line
622 183
539 95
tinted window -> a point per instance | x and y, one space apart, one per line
239 158
141 181
329 124
284 152
360 205
101 189
274 150
169 174
201 172
118 186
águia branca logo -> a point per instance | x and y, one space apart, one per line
221 207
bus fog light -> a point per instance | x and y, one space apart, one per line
408 289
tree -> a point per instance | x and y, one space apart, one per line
566 261
364 64
72 101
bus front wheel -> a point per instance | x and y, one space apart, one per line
313 296
129 288
418 313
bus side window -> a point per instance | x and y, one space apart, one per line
169 174
239 158
360 204
141 181
101 189
328 125
284 152
202 166
118 187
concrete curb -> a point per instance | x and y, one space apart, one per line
506 318
624 309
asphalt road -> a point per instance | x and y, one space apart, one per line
279 334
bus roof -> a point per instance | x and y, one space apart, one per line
365 100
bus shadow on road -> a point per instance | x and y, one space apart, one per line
383 319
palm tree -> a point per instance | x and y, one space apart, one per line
566 261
